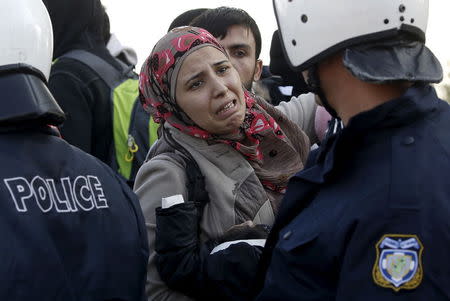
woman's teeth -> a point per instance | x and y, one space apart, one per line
227 107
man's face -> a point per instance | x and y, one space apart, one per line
241 48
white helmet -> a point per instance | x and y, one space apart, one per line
26 35
313 29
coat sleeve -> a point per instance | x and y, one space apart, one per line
302 111
232 272
179 254
187 265
160 177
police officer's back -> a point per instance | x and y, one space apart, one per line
368 217
71 229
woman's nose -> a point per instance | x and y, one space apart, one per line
220 87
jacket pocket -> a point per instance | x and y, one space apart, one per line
294 236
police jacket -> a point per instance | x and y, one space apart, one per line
369 216
71 229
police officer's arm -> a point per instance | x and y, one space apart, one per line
160 177
75 99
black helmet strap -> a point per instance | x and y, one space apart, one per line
313 84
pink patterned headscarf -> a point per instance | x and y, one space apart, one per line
157 80
157 85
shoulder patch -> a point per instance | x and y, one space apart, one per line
399 262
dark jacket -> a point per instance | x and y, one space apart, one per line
369 216
81 93
187 265
71 229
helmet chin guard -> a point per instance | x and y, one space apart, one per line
311 30
26 37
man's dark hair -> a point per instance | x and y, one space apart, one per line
185 18
218 20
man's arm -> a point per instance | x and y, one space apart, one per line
302 111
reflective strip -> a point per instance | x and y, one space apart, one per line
122 109
252 242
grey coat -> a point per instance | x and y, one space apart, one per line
228 177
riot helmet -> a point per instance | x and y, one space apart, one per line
381 41
26 38
313 29
26 48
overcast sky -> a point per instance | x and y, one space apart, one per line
140 23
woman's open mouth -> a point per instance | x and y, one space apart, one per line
226 107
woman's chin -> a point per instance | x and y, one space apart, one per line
232 125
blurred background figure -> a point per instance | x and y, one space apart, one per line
125 54
98 92
80 92
278 79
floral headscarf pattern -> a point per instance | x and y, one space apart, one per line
159 72
157 85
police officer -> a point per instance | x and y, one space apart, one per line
70 229
369 216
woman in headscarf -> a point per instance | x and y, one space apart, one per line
245 149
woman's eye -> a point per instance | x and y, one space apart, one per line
195 85
222 69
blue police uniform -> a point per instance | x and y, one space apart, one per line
71 229
369 216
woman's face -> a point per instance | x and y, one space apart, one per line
210 92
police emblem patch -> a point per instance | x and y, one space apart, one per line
399 262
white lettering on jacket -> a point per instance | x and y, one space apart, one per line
68 195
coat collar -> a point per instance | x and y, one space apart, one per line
417 102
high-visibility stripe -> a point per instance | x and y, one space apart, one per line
152 131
